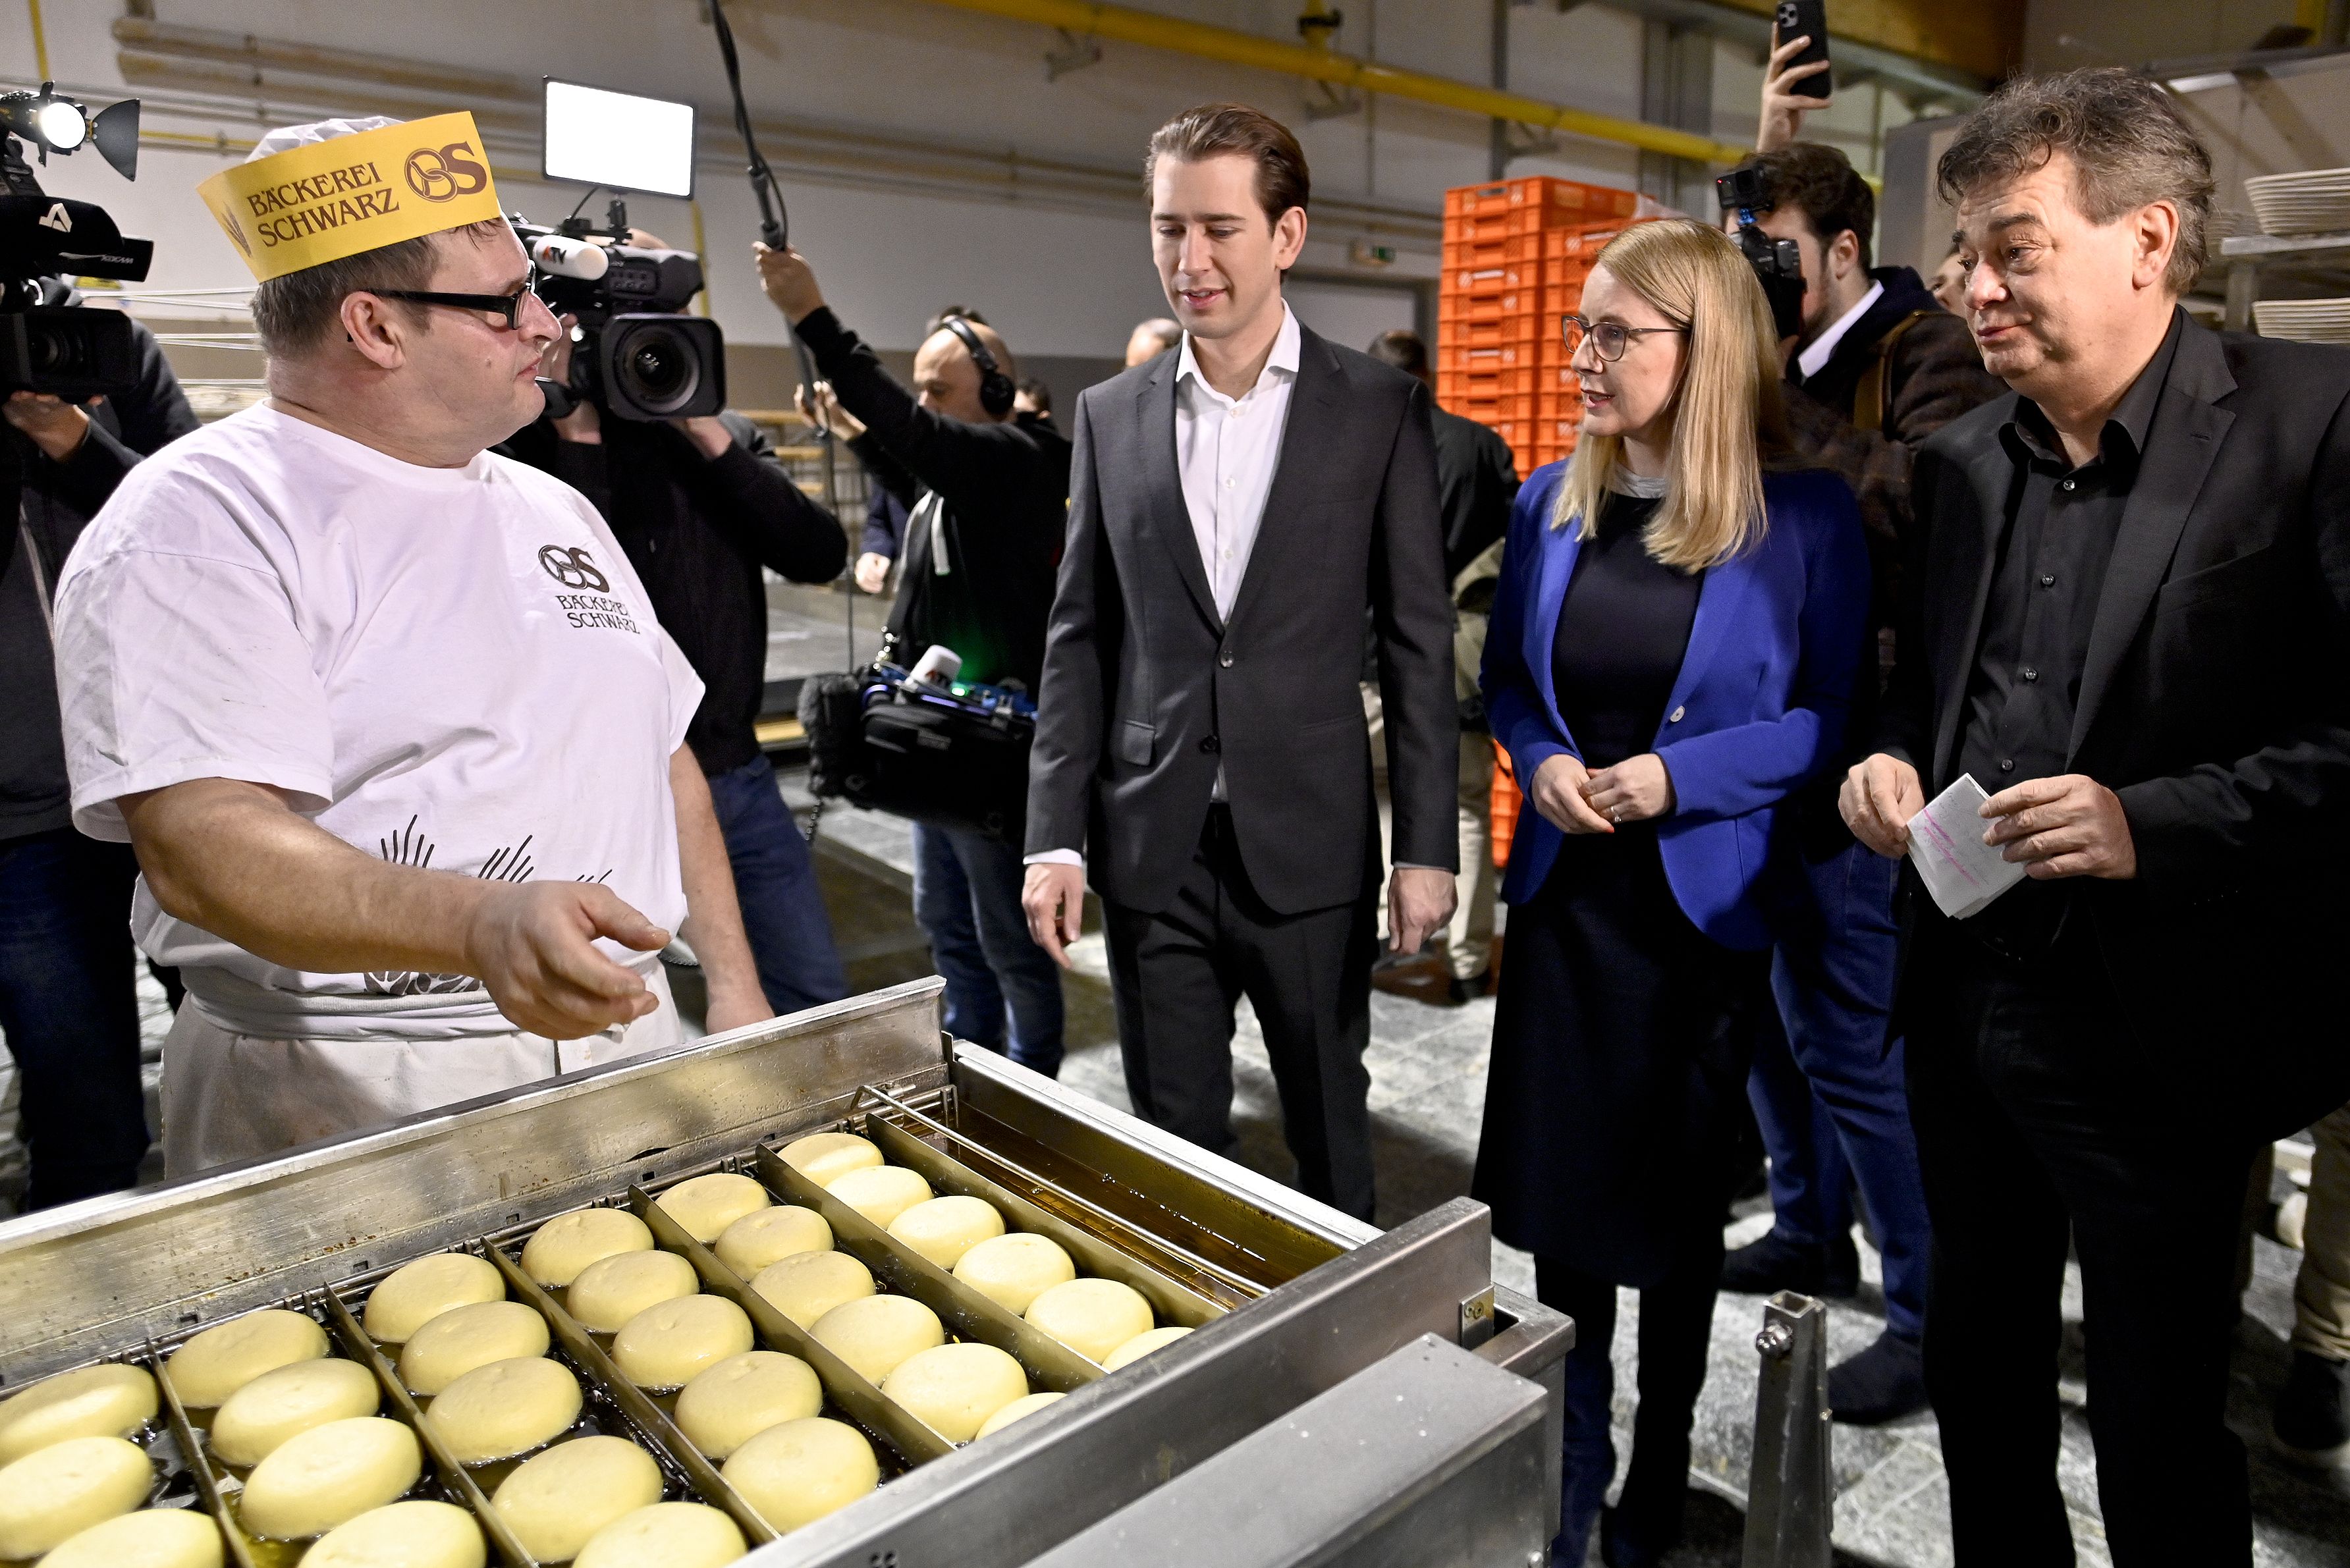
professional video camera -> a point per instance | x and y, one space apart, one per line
1779 263
632 356
45 347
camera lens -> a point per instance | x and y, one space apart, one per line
658 368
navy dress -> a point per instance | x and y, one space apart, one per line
1613 1100
1612 1134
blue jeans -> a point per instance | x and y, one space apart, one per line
70 1014
1003 990
1828 1095
775 882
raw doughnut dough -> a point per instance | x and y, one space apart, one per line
567 1244
881 1192
320 1479
706 1205
415 1293
664 1346
1092 1317
1014 1411
758 1238
797 1473
555 1502
807 1286
222 1359
54 1493
276 1405
956 1388
944 1229
875 1335
824 1158
465 1337
745 1394
666 1535
154 1538
1140 1346
1013 1270
402 1535
506 1408
107 1401
609 1292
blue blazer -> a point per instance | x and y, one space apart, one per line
1758 709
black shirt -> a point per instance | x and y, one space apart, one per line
1623 630
1476 480
697 530
2048 570
1005 491
58 499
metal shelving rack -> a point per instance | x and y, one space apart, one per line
2251 258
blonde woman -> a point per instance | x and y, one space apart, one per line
1677 629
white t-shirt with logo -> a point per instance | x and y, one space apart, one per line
452 669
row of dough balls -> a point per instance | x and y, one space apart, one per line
1106 1320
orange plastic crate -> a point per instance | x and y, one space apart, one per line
1553 407
1462 254
1503 804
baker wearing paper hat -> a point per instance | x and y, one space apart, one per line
321 654
317 193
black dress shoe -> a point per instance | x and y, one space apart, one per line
1883 1383
2312 1425
1773 1264
1463 991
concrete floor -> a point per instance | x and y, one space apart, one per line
1427 1074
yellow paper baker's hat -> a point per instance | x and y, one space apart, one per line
316 193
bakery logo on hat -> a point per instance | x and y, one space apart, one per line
339 191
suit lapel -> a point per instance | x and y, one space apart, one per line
1307 435
1970 554
1555 567
2181 445
1164 512
1721 598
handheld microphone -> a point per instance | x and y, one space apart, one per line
564 257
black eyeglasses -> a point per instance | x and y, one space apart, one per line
505 306
1608 338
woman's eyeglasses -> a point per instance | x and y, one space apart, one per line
506 306
1608 338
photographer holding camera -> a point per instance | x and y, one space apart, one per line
975 575
387 717
1875 368
67 1002
700 505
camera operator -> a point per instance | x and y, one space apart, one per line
699 505
67 1002
388 717
976 575
1877 368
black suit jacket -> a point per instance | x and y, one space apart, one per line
1145 688
2214 700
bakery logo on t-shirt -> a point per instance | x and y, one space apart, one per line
591 604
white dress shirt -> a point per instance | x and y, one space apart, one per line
1227 450
1814 360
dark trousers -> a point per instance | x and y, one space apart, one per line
1827 1096
1676 1332
1176 976
2037 1118
775 883
69 1012
1003 991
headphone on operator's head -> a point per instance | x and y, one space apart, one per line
996 391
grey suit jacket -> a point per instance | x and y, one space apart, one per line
1145 688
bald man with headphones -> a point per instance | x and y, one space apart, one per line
988 489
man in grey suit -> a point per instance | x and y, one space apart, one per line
1236 504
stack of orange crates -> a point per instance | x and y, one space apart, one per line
1515 255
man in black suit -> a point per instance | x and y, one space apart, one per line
1200 746
2128 618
